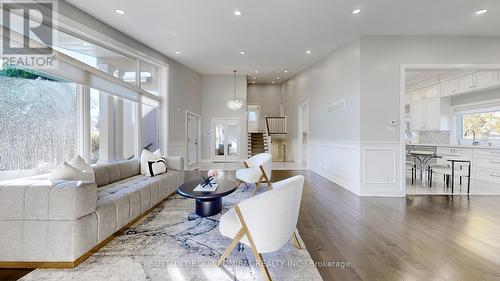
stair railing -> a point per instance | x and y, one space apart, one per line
276 125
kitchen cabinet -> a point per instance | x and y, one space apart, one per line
470 83
449 88
465 84
427 109
487 165
485 79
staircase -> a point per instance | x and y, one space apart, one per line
257 143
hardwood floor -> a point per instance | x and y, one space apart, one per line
413 238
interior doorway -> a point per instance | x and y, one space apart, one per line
253 117
303 127
225 140
192 138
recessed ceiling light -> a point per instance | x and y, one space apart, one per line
121 12
286 71
256 71
357 11
253 82
177 52
480 12
254 78
278 78
242 52
237 13
308 52
86 44
272 82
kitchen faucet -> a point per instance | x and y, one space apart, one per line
474 142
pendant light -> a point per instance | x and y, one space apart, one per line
234 104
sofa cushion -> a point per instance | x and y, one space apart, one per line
109 173
101 175
39 199
106 218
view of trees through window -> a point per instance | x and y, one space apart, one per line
38 117
485 124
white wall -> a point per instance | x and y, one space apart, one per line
333 145
267 96
216 90
184 94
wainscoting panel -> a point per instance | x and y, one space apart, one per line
379 165
336 161
380 169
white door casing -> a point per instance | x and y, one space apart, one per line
192 138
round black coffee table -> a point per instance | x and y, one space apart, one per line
208 203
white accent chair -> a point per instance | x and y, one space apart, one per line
251 223
258 170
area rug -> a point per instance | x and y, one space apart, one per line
173 243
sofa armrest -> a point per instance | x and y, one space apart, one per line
175 163
42 199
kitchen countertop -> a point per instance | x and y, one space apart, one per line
458 146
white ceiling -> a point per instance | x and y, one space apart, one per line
276 34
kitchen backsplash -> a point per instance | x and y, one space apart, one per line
434 137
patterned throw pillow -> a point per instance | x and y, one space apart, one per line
157 167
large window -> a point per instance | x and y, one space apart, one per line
38 122
149 77
113 128
111 62
45 120
150 126
486 124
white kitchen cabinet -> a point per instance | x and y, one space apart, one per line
487 165
485 79
432 114
427 109
449 88
465 84
418 116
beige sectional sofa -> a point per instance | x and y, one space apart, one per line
58 222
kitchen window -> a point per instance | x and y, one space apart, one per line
485 123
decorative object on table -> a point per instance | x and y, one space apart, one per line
213 173
208 184
234 104
157 167
208 199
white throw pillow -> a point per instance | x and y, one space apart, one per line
79 163
146 156
156 167
65 171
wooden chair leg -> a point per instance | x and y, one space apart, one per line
257 184
296 240
260 261
268 181
231 246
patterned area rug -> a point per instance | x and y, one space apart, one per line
173 243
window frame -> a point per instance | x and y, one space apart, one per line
473 109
